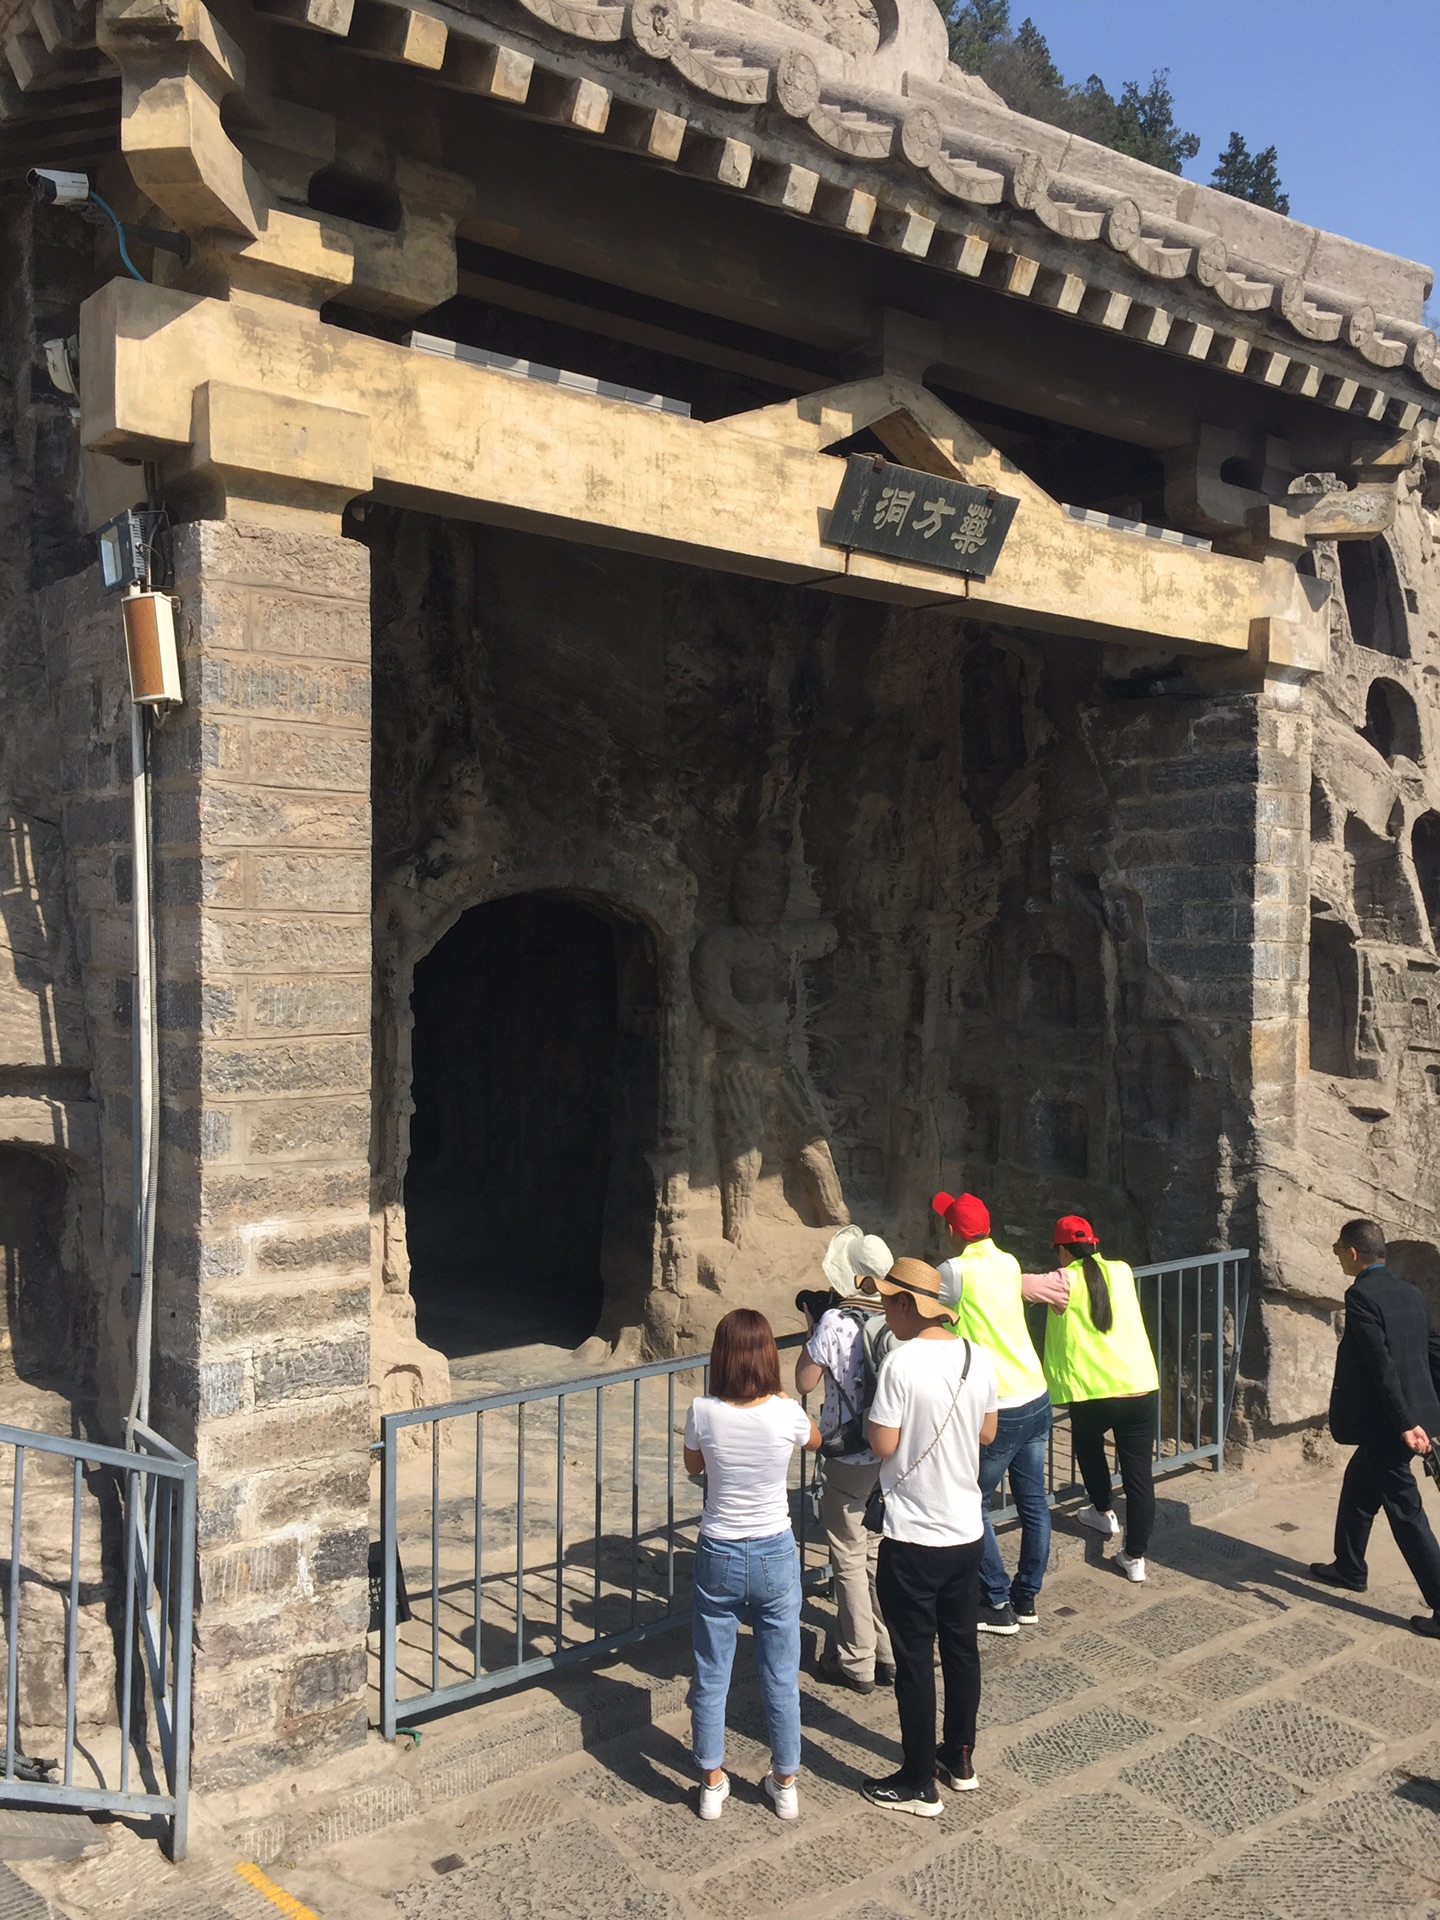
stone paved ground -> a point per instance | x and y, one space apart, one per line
1227 1742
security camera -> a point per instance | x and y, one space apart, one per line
52 186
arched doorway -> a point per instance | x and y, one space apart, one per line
529 1201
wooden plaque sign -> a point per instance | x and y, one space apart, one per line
907 515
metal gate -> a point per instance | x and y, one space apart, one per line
144 1505
527 1531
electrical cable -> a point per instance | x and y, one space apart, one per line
119 226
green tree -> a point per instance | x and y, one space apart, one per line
1018 64
1145 125
1251 176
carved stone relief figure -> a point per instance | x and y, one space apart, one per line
747 974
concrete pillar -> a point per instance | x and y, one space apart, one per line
264 1245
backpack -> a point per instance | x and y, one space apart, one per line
876 1340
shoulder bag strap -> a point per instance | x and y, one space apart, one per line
949 1416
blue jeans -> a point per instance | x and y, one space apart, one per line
1018 1448
729 1576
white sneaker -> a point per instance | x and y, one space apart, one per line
786 1799
1132 1569
1107 1522
712 1799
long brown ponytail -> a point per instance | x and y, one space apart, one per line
1102 1310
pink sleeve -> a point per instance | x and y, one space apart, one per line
1046 1289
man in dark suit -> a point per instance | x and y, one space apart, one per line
1384 1404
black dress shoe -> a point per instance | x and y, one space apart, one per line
1327 1571
884 1674
1426 1624
832 1671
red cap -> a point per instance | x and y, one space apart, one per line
967 1216
1072 1231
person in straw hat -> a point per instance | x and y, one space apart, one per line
935 1406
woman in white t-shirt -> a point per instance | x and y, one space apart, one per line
741 1435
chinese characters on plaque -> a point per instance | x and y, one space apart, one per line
907 515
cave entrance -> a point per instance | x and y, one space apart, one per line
529 1197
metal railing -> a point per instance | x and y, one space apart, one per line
505 1499
144 1508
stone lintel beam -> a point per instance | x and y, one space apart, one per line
751 494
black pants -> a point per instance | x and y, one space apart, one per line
1383 1476
1134 1421
925 1591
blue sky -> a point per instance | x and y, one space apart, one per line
1348 94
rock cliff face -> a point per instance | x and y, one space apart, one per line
1363 1134
1004 941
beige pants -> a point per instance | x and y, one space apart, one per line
859 1637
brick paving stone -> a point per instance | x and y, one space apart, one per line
870 1911
1299 1643
1176 1625
1400 1648
1213 1786
1398 1821
1079 1742
570 1872
1031 1686
40 1833
21 1902
1215 1898
1111 1838
606 1785
1168 1705
988 1881
674 1840
1225 1676
811 1868
525 1812
1311 1871
1375 1696
1301 1742
1105 1656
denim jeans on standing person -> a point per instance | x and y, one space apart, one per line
731 1575
1019 1447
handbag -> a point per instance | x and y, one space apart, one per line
873 1519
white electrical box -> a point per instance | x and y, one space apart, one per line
150 647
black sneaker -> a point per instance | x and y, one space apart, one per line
1025 1611
884 1674
893 1792
1426 1624
960 1774
1330 1574
997 1619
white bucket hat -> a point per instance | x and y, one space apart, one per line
852 1253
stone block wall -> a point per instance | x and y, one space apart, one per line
262 1301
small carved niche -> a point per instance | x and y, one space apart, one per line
1425 852
1372 597
1334 992
1051 989
1392 724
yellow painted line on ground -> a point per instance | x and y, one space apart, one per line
277 1896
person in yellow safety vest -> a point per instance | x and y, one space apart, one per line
985 1289
1099 1363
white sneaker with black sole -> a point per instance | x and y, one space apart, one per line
1133 1569
1106 1522
783 1797
892 1792
712 1799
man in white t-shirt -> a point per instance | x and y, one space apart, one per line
934 1408
857 1652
